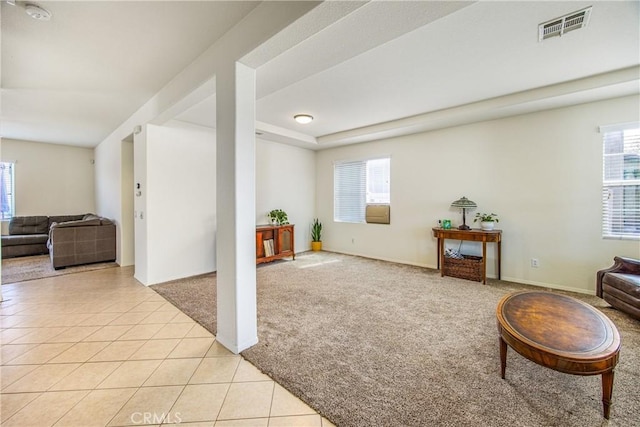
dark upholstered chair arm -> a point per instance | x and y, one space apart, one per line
625 265
621 265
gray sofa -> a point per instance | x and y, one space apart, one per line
88 240
28 235
68 239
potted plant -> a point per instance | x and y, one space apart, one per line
278 217
316 235
487 221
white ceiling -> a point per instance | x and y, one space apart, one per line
74 79
362 69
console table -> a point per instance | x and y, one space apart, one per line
474 235
279 242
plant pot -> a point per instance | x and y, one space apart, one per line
487 225
316 246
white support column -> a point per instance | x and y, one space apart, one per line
235 175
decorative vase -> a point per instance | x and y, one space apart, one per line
487 225
316 246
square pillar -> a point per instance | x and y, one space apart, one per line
235 201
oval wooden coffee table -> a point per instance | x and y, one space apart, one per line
561 333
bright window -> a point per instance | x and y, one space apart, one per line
621 181
6 190
358 183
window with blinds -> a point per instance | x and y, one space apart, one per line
621 181
6 190
358 183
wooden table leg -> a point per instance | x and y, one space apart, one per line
484 262
503 357
607 390
499 258
441 258
439 253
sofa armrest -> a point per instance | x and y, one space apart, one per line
625 265
620 265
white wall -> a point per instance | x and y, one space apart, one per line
180 202
126 242
285 179
108 188
175 165
140 205
540 172
51 179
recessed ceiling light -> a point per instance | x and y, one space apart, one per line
37 12
303 118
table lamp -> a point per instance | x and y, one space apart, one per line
464 204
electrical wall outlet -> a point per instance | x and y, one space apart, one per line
535 262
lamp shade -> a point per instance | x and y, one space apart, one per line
464 203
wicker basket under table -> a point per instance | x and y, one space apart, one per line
469 267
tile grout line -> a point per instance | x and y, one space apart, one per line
187 383
22 407
235 372
132 396
116 412
273 395
149 376
73 406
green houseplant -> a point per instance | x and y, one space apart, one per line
278 217
487 221
316 235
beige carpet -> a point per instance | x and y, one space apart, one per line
372 343
36 267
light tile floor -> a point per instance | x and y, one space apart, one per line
99 349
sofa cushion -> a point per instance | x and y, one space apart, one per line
23 250
29 225
24 239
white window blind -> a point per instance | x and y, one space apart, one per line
621 182
7 205
349 189
357 183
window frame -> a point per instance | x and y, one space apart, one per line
614 211
11 190
356 212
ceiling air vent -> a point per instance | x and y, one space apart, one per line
564 24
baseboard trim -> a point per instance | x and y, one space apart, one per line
554 286
508 279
